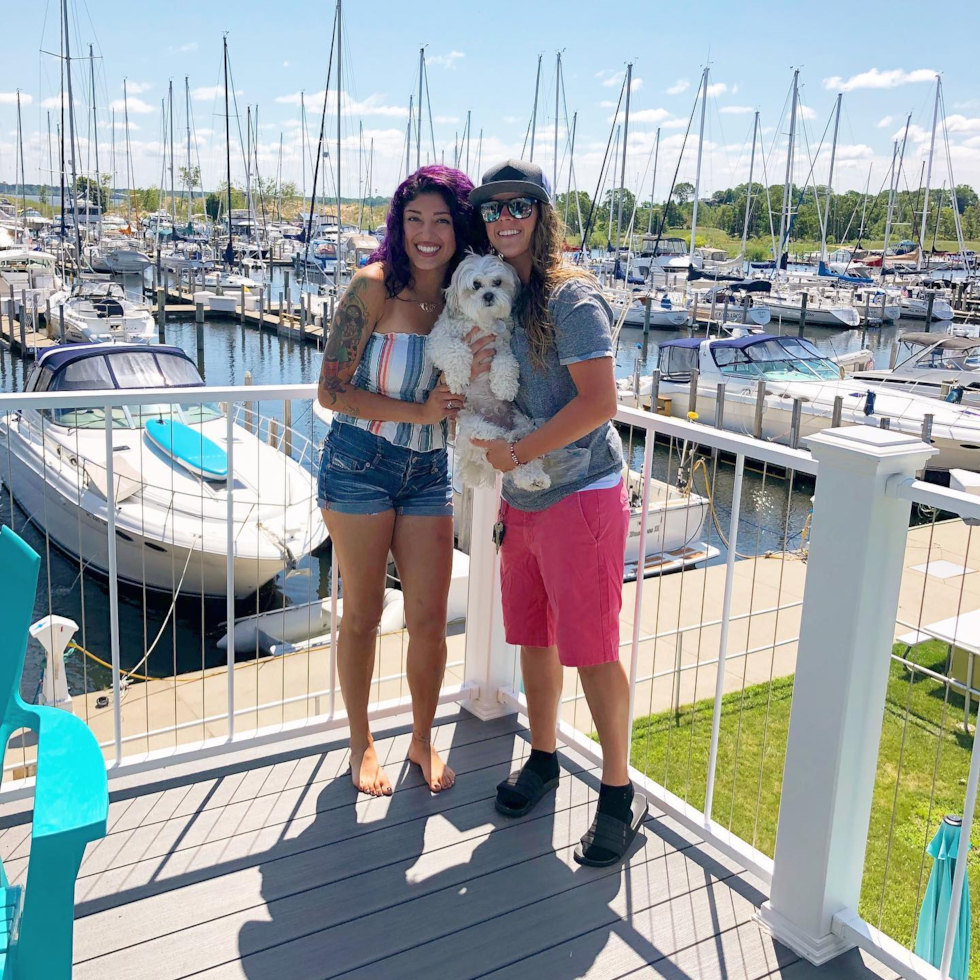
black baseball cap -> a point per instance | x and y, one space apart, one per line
512 177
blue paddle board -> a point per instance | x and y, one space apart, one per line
186 446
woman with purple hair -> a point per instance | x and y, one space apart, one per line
384 483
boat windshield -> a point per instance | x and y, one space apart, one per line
776 359
129 370
951 360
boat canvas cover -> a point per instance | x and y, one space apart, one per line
940 341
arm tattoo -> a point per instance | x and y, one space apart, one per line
347 330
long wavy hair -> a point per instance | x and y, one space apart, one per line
548 273
454 187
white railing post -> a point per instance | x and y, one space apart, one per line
490 659
854 573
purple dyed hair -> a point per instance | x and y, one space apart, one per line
454 187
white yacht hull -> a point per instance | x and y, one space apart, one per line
917 309
153 549
816 316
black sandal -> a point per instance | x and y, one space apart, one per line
528 784
612 835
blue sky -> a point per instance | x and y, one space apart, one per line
883 59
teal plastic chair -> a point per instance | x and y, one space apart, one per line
71 796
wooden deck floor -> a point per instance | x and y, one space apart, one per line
270 867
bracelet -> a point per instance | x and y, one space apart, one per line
513 454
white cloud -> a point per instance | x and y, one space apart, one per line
736 110
373 105
52 102
873 78
10 98
137 88
886 121
285 64
806 112
510 120
190 46
717 88
208 93
681 85
636 84
647 116
606 104
446 60
735 90
137 106
603 72
674 123
445 119
616 78
960 124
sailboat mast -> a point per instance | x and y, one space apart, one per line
229 251
408 136
50 156
864 208
893 186
534 111
418 127
71 141
112 156
479 152
95 134
830 182
190 173
925 201
469 119
360 164
784 210
370 178
340 65
19 173
571 154
697 175
622 173
554 168
129 173
173 196
302 142
653 183
748 189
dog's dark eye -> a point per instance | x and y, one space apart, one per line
496 282
477 284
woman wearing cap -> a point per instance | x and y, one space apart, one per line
384 483
562 550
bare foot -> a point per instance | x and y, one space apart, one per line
437 774
367 774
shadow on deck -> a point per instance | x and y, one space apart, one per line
270 867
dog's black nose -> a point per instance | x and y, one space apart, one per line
489 298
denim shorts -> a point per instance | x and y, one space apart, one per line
361 473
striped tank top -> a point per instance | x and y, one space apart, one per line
397 365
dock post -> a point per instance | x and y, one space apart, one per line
692 398
719 419
711 312
838 410
745 308
286 290
272 436
867 311
882 307
48 323
654 395
927 421
932 300
162 312
61 322
724 314
302 315
261 308
199 312
884 423
287 427
248 405
646 316
10 314
803 305
280 310
760 405
23 321
794 425
694 312
242 312
219 288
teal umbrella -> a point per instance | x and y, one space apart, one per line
935 905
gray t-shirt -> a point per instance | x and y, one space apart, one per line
583 331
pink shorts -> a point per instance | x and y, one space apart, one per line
561 575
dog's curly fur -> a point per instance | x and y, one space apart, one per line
481 294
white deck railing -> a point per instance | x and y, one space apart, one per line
706 616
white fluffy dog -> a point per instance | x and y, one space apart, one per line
481 294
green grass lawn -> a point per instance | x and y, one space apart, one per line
673 750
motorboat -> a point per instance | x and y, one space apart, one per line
793 371
98 311
822 310
32 276
733 302
915 304
881 303
667 309
171 476
934 366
